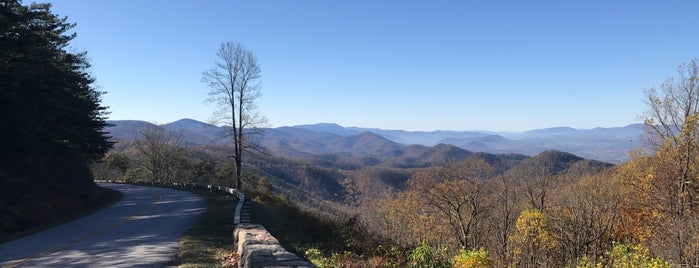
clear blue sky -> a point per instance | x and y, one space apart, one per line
413 65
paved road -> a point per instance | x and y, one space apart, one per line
141 230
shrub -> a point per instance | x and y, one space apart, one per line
627 256
477 258
318 259
425 256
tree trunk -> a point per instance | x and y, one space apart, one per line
238 174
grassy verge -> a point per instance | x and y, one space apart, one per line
108 198
210 240
295 229
209 243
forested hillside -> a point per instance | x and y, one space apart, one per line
344 170
556 209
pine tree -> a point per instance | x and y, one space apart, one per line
48 102
51 120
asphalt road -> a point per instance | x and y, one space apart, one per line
141 230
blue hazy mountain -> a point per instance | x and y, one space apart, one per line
604 144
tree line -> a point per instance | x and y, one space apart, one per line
644 213
48 100
51 119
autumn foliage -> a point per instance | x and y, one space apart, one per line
643 213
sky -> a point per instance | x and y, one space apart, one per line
410 65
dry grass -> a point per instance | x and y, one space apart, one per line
209 243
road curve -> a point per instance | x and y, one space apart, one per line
141 230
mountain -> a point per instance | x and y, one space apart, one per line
125 129
433 154
195 133
604 144
330 128
299 142
351 165
428 138
554 163
555 131
369 144
193 126
350 179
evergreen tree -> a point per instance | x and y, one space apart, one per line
48 102
51 120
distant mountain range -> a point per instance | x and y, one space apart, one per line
604 144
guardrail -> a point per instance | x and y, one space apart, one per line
239 207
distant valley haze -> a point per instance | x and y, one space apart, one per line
604 144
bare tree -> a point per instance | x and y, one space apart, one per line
583 214
505 199
456 192
669 107
538 184
234 87
160 152
672 122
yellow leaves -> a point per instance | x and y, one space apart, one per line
585 262
632 256
533 240
532 228
477 258
660 190
625 256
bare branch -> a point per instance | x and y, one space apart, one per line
234 88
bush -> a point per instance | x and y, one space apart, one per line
137 174
425 256
626 255
387 256
477 258
318 259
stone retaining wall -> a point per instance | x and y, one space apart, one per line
258 248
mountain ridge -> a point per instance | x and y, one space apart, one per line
603 144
